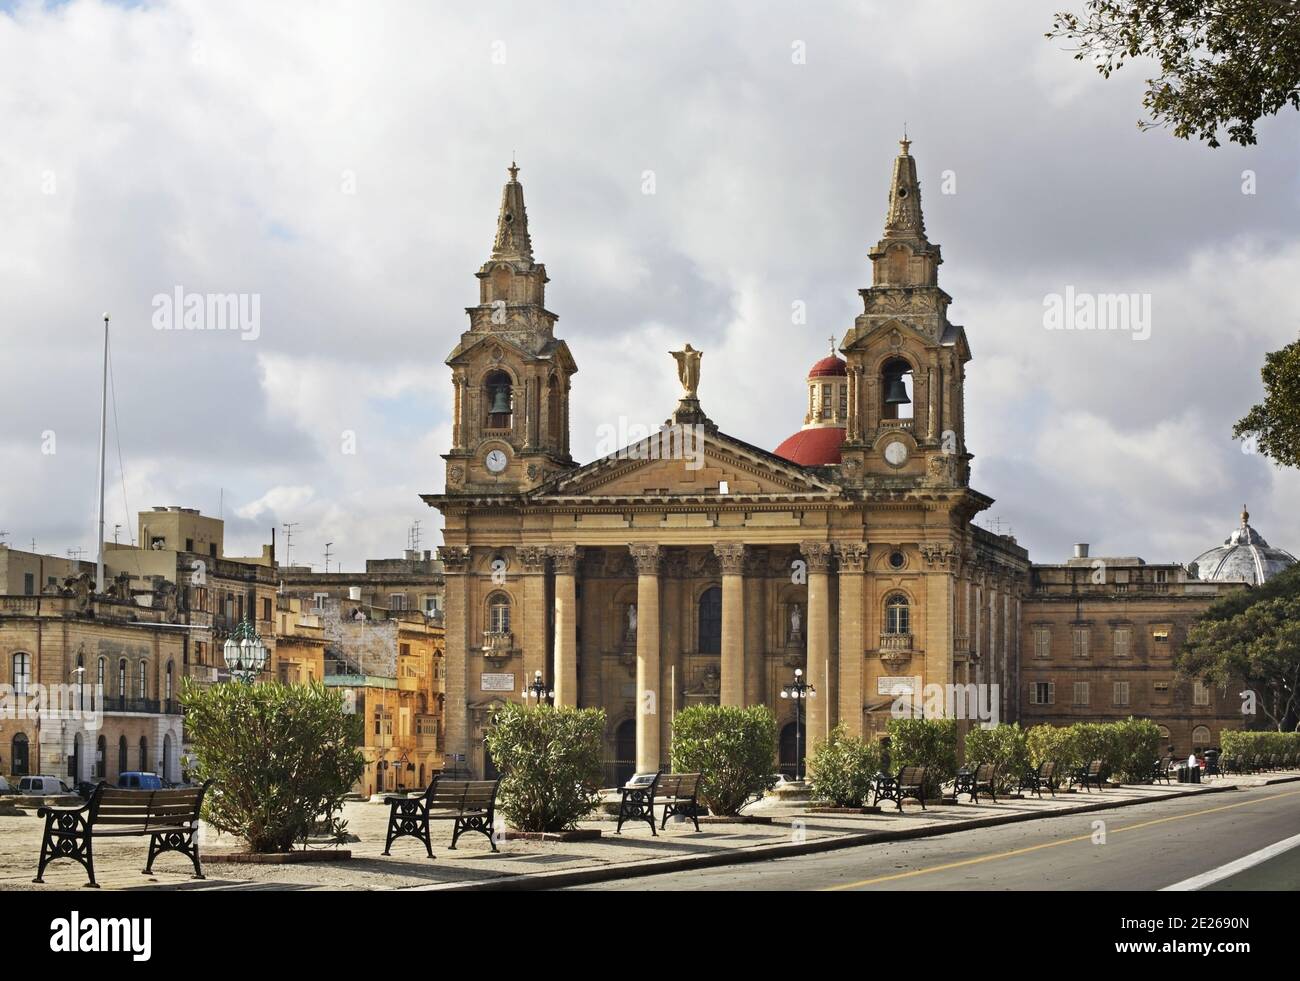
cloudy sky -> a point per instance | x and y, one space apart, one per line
343 163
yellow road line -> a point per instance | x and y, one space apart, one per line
1049 844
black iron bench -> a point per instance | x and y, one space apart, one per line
1036 780
408 816
1088 776
471 804
983 779
1161 767
910 782
170 819
676 792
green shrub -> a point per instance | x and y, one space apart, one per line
732 748
550 764
930 743
1238 743
1046 743
843 768
1006 746
1136 744
281 758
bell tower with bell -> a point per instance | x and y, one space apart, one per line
905 361
510 373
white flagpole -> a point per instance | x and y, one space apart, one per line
103 434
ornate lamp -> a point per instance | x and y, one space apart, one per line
244 652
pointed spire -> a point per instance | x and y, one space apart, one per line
904 218
512 241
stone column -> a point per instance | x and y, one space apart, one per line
594 602
457 617
647 656
732 559
564 560
755 628
853 563
533 631
818 557
673 569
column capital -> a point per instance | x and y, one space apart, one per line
731 556
939 556
647 557
852 556
564 559
818 555
454 559
533 558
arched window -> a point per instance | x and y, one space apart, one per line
711 621
144 753
170 668
1200 737
144 681
499 613
498 400
123 764
896 389
898 615
22 665
121 679
553 410
101 757
101 672
18 759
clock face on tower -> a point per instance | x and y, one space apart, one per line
495 461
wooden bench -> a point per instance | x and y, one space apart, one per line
1161 767
1087 776
471 804
910 782
1036 780
408 816
676 792
170 819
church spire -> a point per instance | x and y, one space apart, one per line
512 241
904 218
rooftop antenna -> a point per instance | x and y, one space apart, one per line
288 540
103 434
116 530
413 537
327 555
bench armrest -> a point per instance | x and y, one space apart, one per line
55 809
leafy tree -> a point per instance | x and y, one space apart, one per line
1252 635
1274 424
1005 746
843 768
280 757
549 760
1222 63
733 749
930 743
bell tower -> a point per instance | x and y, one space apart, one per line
906 362
510 374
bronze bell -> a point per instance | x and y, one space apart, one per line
897 392
501 400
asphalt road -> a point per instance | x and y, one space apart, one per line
1144 847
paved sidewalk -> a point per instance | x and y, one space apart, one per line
532 864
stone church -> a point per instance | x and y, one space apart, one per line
696 568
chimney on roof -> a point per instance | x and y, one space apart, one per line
1081 550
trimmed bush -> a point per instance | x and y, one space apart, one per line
1136 745
1006 746
843 768
281 758
1048 742
549 761
925 742
1249 744
732 748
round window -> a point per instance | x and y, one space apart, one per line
896 559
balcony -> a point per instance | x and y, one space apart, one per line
895 649
498 644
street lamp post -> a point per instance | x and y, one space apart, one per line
539 691
245 654
800 691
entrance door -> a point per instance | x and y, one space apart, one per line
624 752
791 750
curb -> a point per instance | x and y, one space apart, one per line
635 870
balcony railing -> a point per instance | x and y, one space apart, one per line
498 643
891 643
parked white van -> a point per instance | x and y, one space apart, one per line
43 786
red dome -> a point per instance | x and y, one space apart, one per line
813 447
828 366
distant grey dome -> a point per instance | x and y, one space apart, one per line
1244 556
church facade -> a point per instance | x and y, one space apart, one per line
693 567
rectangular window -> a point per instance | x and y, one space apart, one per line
1042 642
1042 693
1122 635
397 601
266 608
29 584
1080 641
1200 693
404 650
1081 694
1121 693
318 600
1161 687
826 401
431 604
189 544
1160 635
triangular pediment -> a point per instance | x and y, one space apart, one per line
696 465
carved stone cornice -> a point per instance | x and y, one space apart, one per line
565 559
852 557
454 559
533 558
731 557
817 555
647 558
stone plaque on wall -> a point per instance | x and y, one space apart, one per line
896 685
496 682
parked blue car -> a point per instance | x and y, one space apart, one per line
138 780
